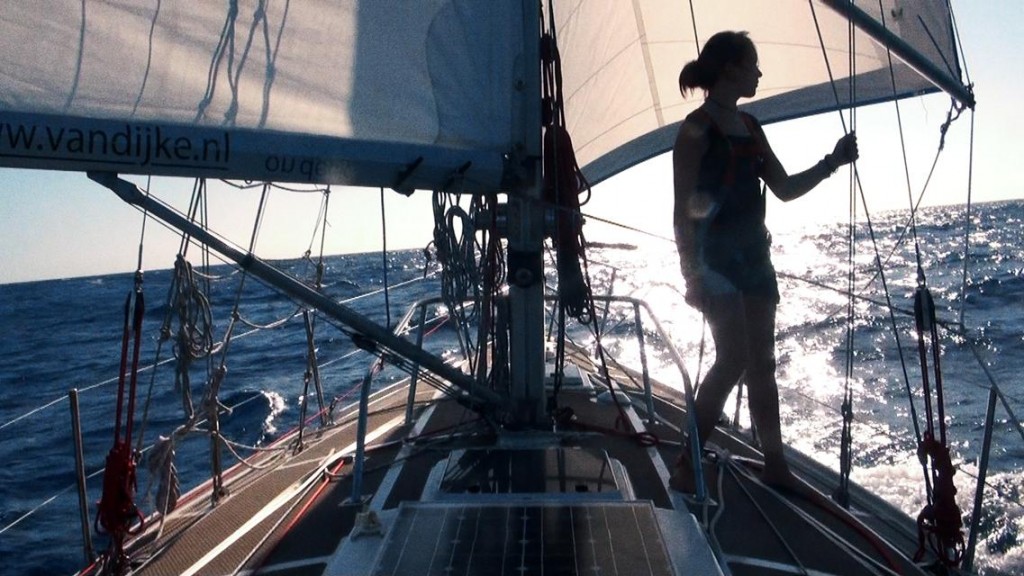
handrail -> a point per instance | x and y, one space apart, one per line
695 456
677 359
401 328
375 367
994 393
637 304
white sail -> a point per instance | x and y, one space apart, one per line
411 94
621 82
343 92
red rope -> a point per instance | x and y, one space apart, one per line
939 525
316 494
116 510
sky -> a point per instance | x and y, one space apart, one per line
61 224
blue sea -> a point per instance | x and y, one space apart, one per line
59 335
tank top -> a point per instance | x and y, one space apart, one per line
733 241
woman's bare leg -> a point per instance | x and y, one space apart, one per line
726 316
762 388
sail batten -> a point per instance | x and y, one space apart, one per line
359 92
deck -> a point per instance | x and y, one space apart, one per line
292 514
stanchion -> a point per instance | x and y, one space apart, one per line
83 504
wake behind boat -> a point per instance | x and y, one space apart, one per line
517 448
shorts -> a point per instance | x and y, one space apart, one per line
748 273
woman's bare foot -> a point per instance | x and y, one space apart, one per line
682 479
777 475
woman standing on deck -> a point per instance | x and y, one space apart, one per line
720 157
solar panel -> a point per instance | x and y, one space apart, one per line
608 538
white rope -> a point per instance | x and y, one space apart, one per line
161 463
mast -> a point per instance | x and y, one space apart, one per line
526 240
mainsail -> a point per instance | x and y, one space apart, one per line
413 95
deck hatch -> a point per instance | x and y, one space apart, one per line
531 471
587 539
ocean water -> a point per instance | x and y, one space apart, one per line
63 334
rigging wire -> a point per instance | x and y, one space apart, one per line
142 232
168 489
188 301
464 263
693 23
874 241
893 568
967 230
771 524
384 259
842 491
99 471
211 403
312 363
939 522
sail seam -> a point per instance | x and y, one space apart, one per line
652 83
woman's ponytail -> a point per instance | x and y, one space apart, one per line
691 77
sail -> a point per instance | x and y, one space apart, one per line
382 92
623 103
414 95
